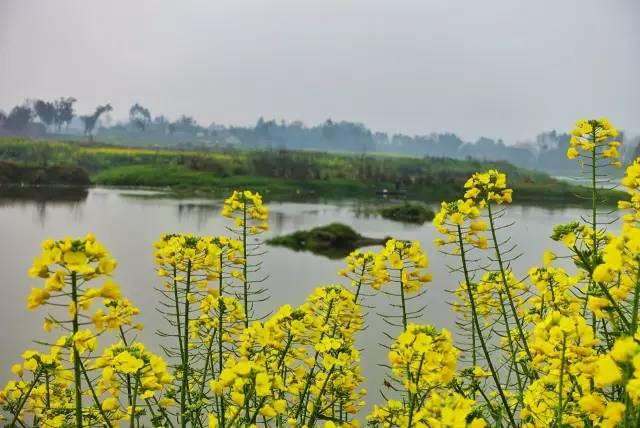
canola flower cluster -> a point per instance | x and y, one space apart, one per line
250 219
594 138
59 387
631 182
557 346
424 361
298 367
247 209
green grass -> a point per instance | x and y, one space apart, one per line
285 174
181 179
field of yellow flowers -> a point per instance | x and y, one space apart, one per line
556 346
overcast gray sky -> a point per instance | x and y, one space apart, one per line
496 68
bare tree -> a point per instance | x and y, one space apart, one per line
90 121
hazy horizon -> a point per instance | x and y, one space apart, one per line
496 69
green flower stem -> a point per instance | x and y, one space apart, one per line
48 386
24 399
316 404
560 386
185 347
302 406
636 303
176 301
404 304
512 349
503 275
129 394
244 265
163 411
412 396
95 396
594 193
76 354
474 315
133 406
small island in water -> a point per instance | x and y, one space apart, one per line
408 212
334 241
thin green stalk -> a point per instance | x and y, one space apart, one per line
636 303
244 265
358 288
594 194
204 373
24 399
128 377
176 302
560 386
305 390
316 404
221 415
606 292
47 385
474 356
483 345
412 398
95 396
505 284
512 350
185 347
76 354
404 305
164 412
135 396
594 224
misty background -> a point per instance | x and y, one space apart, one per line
458 79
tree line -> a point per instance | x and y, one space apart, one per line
44 118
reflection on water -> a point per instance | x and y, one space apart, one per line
129 222
42 198
46 195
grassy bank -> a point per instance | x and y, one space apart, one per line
283 174
38 175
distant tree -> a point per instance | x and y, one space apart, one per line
185 125
90 121
160 124
63 112
140 117
3 117
18 119
46 112
328 130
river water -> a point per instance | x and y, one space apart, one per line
128 222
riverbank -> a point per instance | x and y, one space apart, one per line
37 175
179 181
281 174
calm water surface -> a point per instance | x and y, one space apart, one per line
129 222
